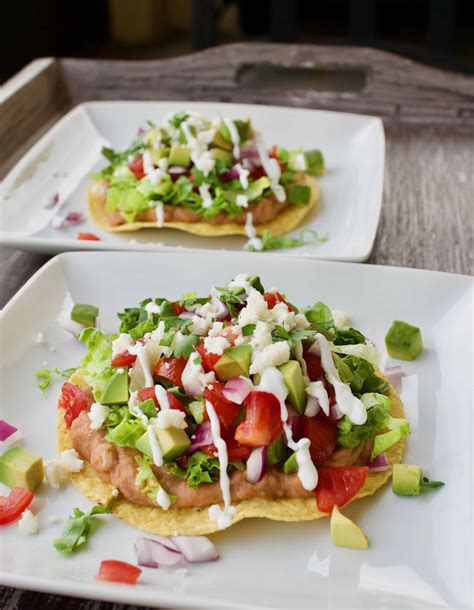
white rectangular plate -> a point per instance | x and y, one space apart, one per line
420 554
61 162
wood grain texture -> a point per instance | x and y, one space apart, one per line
427 212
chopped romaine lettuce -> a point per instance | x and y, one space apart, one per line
77 529
95 365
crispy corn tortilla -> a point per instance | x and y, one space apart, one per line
195 521
287 220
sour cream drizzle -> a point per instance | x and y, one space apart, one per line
162 397
163 499
272 382
222 516
234 136
251 233
155 446
272 169
160 214
347 402
141 353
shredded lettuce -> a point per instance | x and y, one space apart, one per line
361 350
146 479
95 365
201 468
398 428
77 529
46 376
287 241
123 429
320 318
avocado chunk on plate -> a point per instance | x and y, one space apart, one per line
299 193
294 381
21 468
345 532
235 361
406 479
403 341
84 314
116 390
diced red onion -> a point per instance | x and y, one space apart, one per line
177 169
393 374
71 219
256 464
202 437
249 153
196 548
379 464
153 553
187 315
53 201
220 310
237 389
336 412
296 424
231 174
9 435
140 131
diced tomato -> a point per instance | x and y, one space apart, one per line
136 166
225 410
235 451
147 393
322 432
208 360
73 400
338 485
88 236
118 571
123 359
262 424
177 308
14 504
314 366
171 369
273 298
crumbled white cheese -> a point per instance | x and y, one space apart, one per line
194 378
157 334
299 162
256 309
216 345
40 338
121 344
341 318
98 414
54 519
152 308
28 523
241 281
115 492
55 473
182 572
271 355
198 326
283 316
71 461
301 321
170 418
262 335
204 161
242 201
216 329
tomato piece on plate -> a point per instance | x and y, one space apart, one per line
262 424
88 236
208 360
123 359
73 400
118 571
147 393
136 166
225 410
171 369
337 485
322 432
14 504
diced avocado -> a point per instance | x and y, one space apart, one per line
294 381
256 378
346 533
314 162
84 314
180 155
235 361
276 452
221 142
173 442
116 390
196 408
21 468
403 341
406 479
158 153
299 193
222 155
291 465
143 445
243 127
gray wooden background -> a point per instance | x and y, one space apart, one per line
428 114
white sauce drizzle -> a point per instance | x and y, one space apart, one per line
151 308
155 446
251 233
133 405
222 516
148 166
317 391
188 134
347 402
160 214
162 397
141 353
272 169
163 499
206 195
272 382
234 136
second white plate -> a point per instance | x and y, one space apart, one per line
353 147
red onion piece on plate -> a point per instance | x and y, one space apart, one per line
237 389
393 374
379 464
9 435
220 310
153 553
256 464
196 548
202 437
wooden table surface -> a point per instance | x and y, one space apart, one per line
428 114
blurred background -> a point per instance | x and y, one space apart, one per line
437 32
